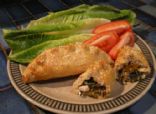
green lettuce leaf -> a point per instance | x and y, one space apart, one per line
56 27
18 44
53 17
25 41
83 12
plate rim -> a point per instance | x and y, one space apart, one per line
120 107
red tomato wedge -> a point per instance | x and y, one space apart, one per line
131 35
126 39
120 27
104 40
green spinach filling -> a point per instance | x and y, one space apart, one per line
129 73
94 90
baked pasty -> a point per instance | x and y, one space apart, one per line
131 65
97 81
63 61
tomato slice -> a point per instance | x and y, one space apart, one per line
131 35
104 40
120 27
126 39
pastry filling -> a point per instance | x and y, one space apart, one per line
92 89
130 73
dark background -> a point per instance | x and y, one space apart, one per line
13 13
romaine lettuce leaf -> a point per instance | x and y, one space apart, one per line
56 27
83 12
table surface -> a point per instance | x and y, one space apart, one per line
17 14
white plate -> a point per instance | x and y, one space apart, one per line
56 96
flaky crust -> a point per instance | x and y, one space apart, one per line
63 61
132 54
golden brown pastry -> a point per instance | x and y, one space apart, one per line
96 82
131 65
63 61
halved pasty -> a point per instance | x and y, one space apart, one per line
96 82
131 65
